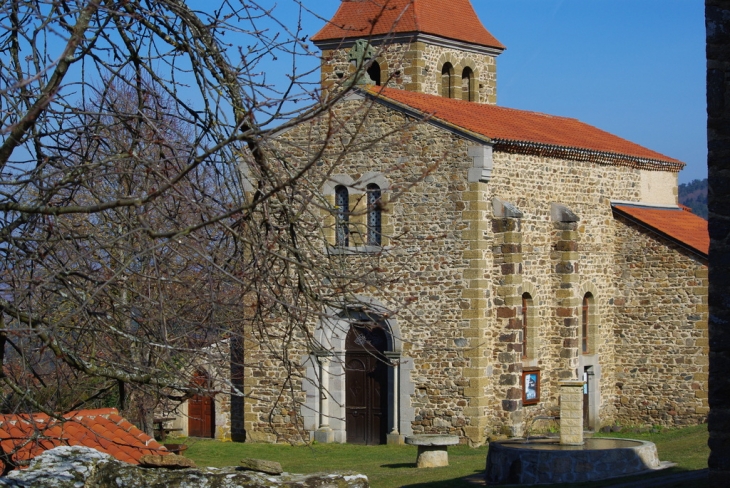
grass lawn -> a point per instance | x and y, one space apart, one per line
394 466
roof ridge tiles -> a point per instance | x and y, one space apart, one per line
529 132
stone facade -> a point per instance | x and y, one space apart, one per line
471 228
463 265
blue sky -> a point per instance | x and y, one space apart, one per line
635 68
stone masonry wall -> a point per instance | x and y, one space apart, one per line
660 332
417 67
425 252
449 292
532 183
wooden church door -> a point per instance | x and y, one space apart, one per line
201 411
366 383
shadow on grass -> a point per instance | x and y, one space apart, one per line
399 465
671 478
471 481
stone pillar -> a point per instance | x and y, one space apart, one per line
395 437
568 306
717 19
507 252
475 309
324 433
571 413
415 66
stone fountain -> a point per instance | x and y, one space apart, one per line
571 459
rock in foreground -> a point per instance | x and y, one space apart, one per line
82 467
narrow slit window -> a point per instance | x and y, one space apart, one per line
586 323
374 215
342 216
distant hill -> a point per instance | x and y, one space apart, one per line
694 195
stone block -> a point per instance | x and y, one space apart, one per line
569 256
324 436
473 273
506 312
261 465
473 373
396 439
472 215
432 457
472 392
473 254
472 314
168 461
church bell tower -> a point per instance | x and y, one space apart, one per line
438 47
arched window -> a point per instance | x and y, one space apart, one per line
447 73
374 72
526 305
342 203
374 215
586 323
467 80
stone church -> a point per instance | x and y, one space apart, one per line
532 249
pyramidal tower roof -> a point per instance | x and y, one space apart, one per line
450 19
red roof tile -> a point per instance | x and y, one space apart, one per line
509 128
677 224
102 429
452 19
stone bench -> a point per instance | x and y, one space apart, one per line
432 449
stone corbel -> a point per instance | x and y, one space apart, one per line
505 210
561 213
481 171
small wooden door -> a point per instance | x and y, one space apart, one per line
201 411
366 380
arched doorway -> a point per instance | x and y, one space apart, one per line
366 380
201 409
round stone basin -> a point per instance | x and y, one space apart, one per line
544 461
590 443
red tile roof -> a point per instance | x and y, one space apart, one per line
26 436
518 130
677 224
452 19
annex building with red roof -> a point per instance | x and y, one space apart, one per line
522 250
25 436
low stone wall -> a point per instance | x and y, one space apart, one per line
82 467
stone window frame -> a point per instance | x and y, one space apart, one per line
458 65
358 213
531 353
469 64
